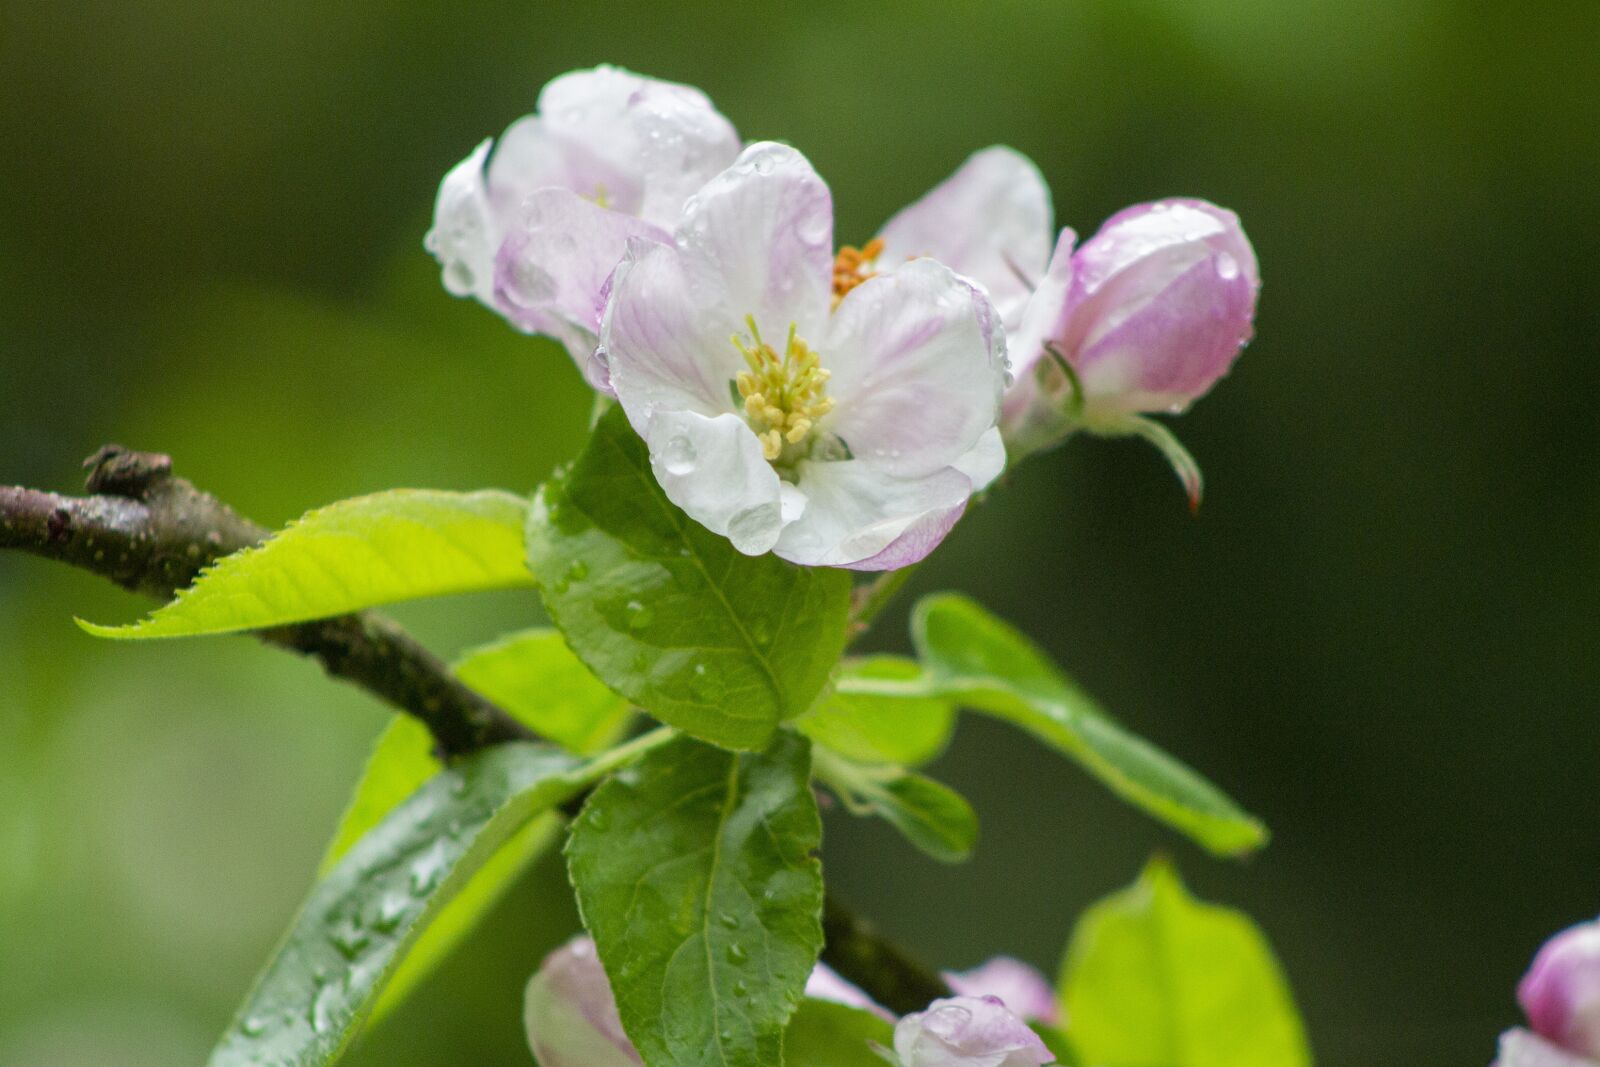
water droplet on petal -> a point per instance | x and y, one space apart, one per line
1227 267
679 457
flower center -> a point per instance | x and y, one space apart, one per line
783 396
851 267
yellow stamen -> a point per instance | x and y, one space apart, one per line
784 395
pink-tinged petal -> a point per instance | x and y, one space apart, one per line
990 220
758 240
714 470
570 1014
553 270
668 342
854 512
1043 322
465 231
1561 991
1519 1048
918 365
985 462
1162 301
530 156
1021 987
968 1032
826 984
655 142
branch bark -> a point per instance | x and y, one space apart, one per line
153 533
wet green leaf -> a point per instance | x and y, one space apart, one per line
870 727
695 875
721 645
400 545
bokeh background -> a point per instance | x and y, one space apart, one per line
1380 633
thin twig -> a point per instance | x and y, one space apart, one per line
153 533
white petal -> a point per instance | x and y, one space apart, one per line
854 511
465 235
713 469
758 240
638 144
668 344
990 220
918 366
1042 321
1522 1048
552 270
984 463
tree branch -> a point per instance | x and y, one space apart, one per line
153 533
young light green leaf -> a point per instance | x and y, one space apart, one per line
1154 976
932 816
825 1034
533 676
870 727
694 874
401 545
721 645
986 664
362 917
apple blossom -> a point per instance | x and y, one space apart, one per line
1521 1048
968 1032
1144 317
1561 991
1023 989
571 1015
835 425
532 226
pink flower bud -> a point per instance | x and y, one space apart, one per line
571 1015
1561 991
1023 989
968 1032
1148 313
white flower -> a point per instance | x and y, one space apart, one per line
833 420
968 1032
533 226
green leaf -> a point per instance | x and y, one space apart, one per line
721 645
534 676
986 664
869 727
379 549
933 817
694 873
825 1034
360 919
1154 976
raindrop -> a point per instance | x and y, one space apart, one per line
253 1026
729 919
429 869
391 909
638 615
679 457
737 954
1227 267
816 229
578 571
740 989
761 633
322 1009
598 819
349 940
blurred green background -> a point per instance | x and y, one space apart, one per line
1380 633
